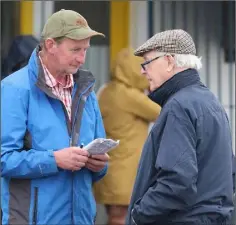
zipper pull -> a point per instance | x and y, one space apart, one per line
70 141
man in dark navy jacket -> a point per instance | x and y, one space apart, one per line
185 172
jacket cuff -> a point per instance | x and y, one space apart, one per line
99 175
49 165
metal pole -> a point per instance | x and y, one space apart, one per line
150 18
162 6
185 14
207 48
173 9
219 63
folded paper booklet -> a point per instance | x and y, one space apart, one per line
101 146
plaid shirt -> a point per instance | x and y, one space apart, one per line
62 88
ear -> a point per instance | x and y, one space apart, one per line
50 45
171 63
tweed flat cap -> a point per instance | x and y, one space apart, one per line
171 41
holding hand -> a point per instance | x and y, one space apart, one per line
97 162
72 158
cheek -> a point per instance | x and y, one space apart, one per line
63 56
60 60
65 59
156 74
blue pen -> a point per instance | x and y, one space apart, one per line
81 145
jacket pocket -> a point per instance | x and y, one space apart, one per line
35 207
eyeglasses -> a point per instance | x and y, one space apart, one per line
149 61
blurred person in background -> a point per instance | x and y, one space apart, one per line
19 53
127 112
18 56
48 109
185 171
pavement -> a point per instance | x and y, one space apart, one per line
101 215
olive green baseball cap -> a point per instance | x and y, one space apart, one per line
68 23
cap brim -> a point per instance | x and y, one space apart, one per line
143 49
83 33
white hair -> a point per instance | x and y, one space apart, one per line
189 61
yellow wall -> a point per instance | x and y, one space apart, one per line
119 26
26 17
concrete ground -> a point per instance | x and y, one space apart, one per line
101 215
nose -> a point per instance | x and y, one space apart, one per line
81 60
81 57
143 72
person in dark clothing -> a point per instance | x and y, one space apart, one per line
185 171
19 54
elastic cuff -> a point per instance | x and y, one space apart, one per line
48 165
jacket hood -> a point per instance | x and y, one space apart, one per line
19 53
126 69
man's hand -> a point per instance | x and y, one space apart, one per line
97 162
73 158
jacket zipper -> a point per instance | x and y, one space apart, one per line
70 131
71 141
35 209
70 145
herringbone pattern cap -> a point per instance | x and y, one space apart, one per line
171 41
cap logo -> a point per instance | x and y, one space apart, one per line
81 22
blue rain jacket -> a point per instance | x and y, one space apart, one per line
34 124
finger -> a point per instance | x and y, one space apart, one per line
80 158
79 164
96 162
94 168
80 151
90 166
76 168
102 157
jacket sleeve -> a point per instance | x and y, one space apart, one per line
138 103
176 165
15 161
99 133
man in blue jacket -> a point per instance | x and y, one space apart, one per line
185 171
48 109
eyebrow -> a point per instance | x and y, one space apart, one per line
78 47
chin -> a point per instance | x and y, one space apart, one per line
73 70
153 88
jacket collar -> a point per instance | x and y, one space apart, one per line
177 82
